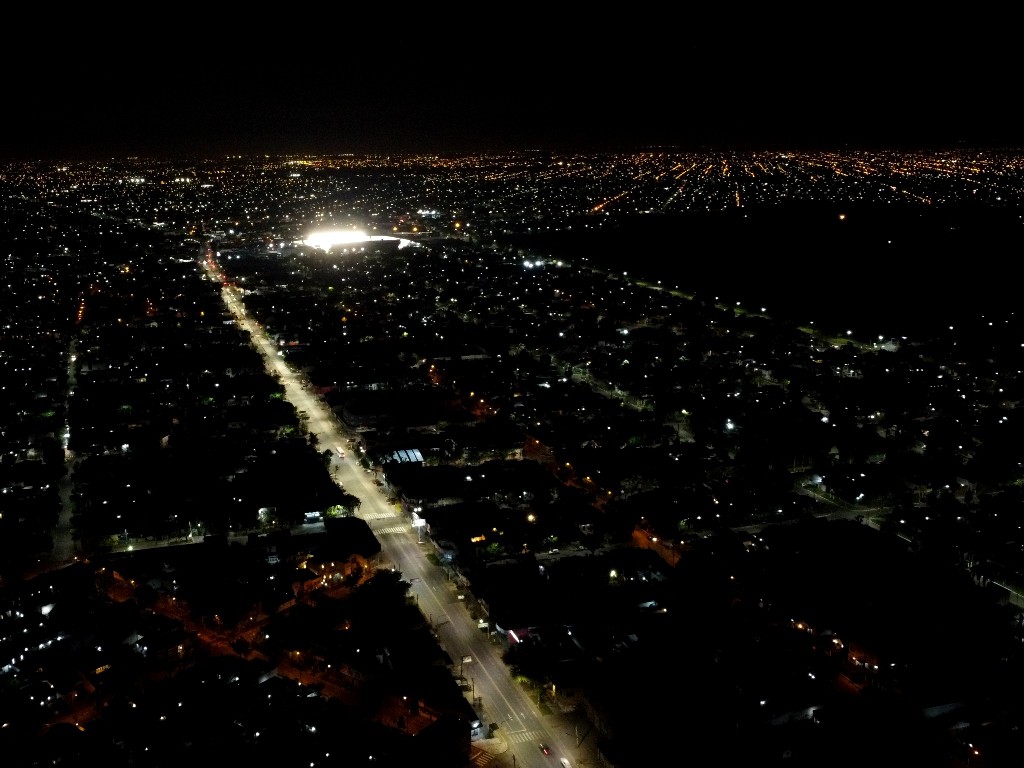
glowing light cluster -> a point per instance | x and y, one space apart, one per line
330 238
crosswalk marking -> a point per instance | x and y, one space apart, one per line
393 529
521 737
380 515
482 757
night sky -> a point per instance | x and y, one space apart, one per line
194 86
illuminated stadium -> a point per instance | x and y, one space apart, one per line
351 240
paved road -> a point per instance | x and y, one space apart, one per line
474 653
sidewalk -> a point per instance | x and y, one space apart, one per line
495 746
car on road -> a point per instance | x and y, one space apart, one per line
565 762
545 748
